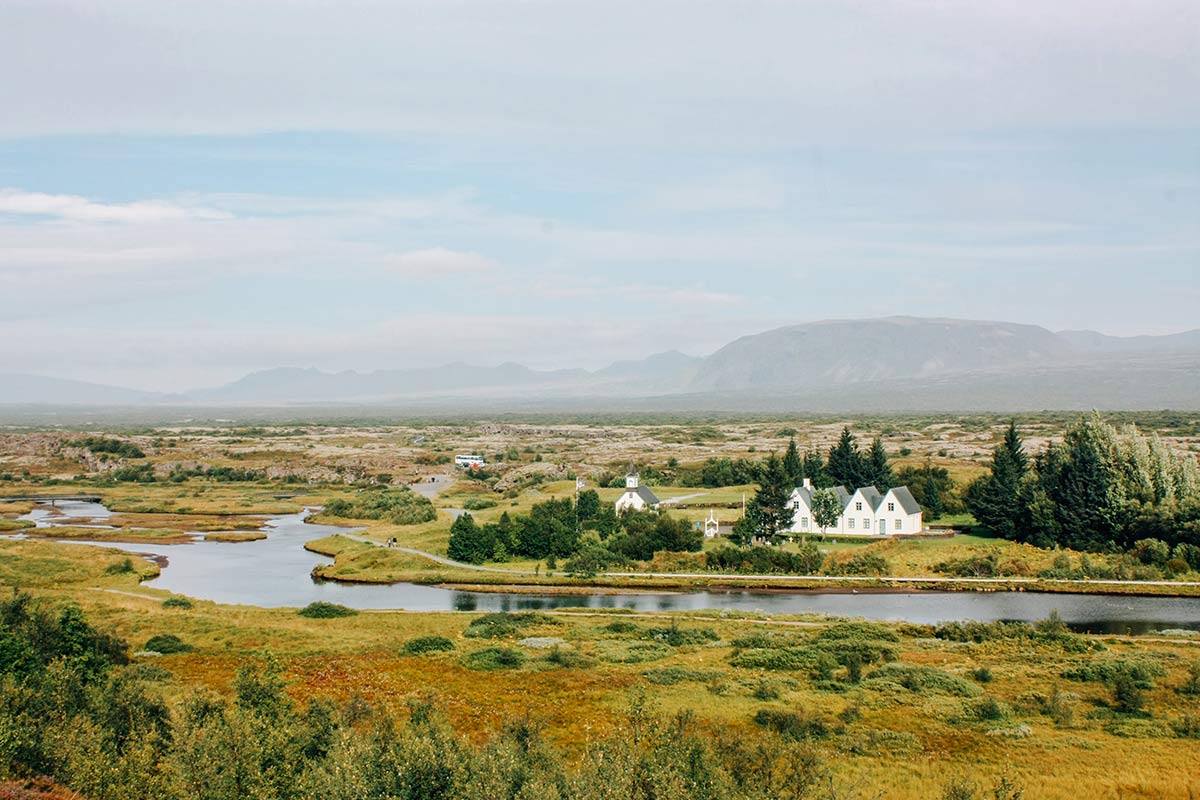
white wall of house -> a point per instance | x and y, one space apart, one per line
630 500
860 518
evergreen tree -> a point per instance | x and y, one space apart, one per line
846 464
469 542
772 498
814 469
995 499
793 465
878 470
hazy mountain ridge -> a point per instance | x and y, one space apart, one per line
905 363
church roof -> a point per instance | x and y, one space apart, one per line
644 493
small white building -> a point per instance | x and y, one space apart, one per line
636 496
866 512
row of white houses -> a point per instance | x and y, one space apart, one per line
866 512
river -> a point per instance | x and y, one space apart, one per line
274 572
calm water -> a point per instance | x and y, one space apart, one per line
274 572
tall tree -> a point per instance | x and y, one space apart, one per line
774 494
878 470
793 465
469 542
814 469
826 508
846 464
995 499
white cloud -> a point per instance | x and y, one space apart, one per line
438 262
74 207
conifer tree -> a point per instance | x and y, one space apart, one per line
772 499
468 542
793 466
879 471
814 469
995 499
846 464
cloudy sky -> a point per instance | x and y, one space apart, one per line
193 190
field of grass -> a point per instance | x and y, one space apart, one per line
1060 738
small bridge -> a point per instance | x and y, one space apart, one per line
52 499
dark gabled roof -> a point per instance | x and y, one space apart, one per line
644 493
843 496
806 495
906 500
871 495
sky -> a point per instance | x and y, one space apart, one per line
190 191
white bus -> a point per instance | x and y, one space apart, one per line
468 461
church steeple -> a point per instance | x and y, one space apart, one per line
631 477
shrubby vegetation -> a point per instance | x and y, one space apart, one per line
115 447
322 610
69 709
426 644
556 529
400 506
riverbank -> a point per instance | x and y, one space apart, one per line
359 560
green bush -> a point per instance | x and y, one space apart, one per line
167 644
426 644
631 652
669 676
1141 671
478 503
152 673
494 658
862 564
568 658
621 626
399 506
791 724
926 680
982 675
323 610
675 636
122 567
502 623
177 602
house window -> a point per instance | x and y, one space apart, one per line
858 506
866 524
851 522
891 506
899 524
804 523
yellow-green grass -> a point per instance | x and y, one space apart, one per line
233 537
84 533
903 744
13 525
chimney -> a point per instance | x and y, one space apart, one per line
808 484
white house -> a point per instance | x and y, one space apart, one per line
866 512
636 496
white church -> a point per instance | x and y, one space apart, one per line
866 512
636 496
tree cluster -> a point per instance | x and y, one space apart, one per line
562 528
1099 489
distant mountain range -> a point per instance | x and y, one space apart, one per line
896 363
